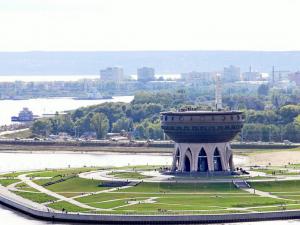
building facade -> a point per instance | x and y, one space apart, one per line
112 74
232 74
145 74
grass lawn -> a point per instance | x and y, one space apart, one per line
12 174
140 167
198 202
184 187
67 206
129 175
61 172
277 171
6 182
277 186
76 184
25 187
36 197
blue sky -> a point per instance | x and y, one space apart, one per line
27 25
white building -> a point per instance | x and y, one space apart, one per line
252 76
199 77
112 74
145 74
231 74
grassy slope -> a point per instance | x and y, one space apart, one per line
6 182
67 206
277 186
36 197
73 185
182 187
61 172
129 175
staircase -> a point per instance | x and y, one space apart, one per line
241 184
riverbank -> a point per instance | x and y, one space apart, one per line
83 149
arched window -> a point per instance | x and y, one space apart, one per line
202 161
217 160
187 161
177 158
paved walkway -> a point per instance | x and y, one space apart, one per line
18 199
27 181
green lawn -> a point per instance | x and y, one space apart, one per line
277 171
73 185
6 182
12 174
184 187
67 206
61 172
36 197
129 175
277 186
25 187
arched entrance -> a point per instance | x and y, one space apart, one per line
217 160
177 158
231 164
187 161
202 161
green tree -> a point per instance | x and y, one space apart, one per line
122 124
289 112
41 127
263 90
100 124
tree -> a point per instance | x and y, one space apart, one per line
41 127
289 112
263 90
100 124
122 124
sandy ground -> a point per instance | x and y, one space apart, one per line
275 158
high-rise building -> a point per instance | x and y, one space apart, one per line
145 74
231 74
110 74
251 76
198 77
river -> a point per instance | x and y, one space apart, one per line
41 106
29 161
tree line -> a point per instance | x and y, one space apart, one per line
141 117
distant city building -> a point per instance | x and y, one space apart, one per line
231 74
295 77
145 74
115 74
199 77
251 76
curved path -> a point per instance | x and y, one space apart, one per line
41 189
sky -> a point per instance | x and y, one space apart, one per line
113 25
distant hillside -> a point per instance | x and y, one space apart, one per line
51 63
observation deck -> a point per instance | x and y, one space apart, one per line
202 126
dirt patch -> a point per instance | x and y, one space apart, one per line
274 158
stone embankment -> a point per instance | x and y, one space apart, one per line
151 144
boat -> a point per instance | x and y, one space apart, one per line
25 115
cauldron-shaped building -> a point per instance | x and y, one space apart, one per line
202 138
